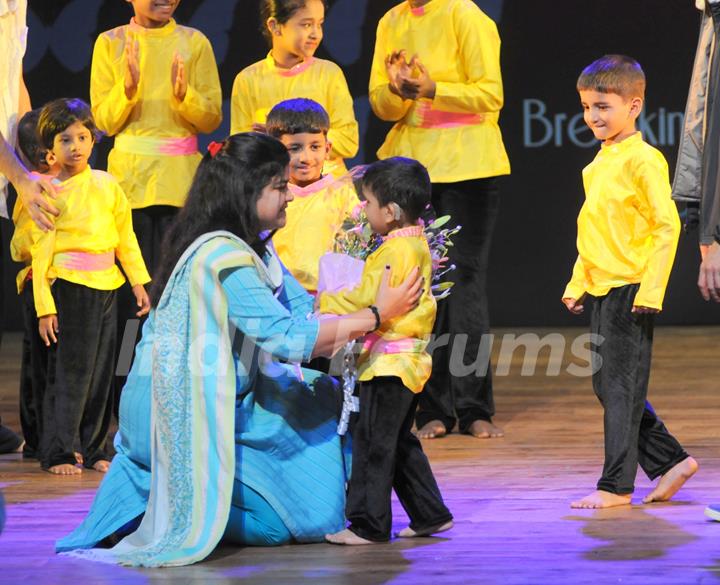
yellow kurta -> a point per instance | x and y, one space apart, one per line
402 254
314 217
147 176
262 85
94 218
460 47
628 227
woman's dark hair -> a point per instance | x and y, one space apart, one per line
58 115
280 10
223 196
400 180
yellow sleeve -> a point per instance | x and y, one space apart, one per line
344 134
110 105
42 252
479 43
241 114
202 106
386 105
362 296
128 250
654 185
577 286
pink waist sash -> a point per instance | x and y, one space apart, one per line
84 261
375 344
424 116
152 146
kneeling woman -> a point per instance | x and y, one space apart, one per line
218 435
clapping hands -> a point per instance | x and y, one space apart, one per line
408 79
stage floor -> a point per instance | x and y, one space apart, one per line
510 496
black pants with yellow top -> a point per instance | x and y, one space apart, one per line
634 434
77 400
386 455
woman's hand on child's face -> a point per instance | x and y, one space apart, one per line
395 301
132 67
48 327
142 298
179 78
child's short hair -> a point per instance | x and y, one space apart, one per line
280 10
614 74
58 115
297 116
400 180
28 140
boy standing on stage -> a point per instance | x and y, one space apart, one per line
628 229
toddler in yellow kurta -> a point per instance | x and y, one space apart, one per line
291 71
628 230
154 85
321 202
392 368
74 281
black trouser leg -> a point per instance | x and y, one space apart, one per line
387 455
621 384
461 380
77 397
150 225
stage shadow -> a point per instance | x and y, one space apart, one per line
631 533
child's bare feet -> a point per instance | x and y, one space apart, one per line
483 429
64 469
432 430
78 458
102 465
20 448
602 499
347 537
672 481
410 533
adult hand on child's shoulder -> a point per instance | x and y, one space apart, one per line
48 327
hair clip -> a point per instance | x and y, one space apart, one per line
214 148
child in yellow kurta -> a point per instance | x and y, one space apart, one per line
436 74
154 85
290 71
321 202
628 229
392 368
74 280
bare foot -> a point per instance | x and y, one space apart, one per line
602 499
347 537
78 457
483 429
410 533
672 481
64 469
432 430
102 466
20 448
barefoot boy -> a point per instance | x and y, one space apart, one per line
628 230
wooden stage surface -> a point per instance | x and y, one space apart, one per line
509 496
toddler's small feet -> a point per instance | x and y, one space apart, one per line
102 466
347 537
64 469
484 429
432 430
602 499
410 533
672 481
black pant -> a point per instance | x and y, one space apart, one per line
150 225
386 455
464 315
33 375
633 432
9 441
80 375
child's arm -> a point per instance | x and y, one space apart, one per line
42 251
343 134
654 186
387 105
109 74
201 104
241 115
128 250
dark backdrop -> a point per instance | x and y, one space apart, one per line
545 45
